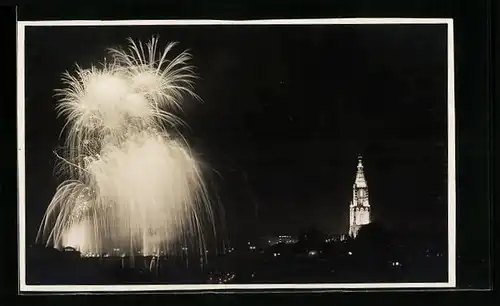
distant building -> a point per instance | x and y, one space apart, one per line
285 239
359 208
71 252
336 238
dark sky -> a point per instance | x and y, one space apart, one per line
286 110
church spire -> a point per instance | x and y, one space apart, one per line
360 181
359 208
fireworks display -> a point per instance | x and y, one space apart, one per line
131 181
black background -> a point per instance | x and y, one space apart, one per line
286 110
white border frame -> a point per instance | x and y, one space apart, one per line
220 287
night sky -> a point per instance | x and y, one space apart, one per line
285 112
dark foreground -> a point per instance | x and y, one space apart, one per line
372 257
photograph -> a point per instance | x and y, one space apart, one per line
195 155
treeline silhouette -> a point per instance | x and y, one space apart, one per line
376 255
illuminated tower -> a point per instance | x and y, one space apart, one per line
359 209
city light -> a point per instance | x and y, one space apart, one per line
282 239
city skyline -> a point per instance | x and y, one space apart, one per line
269 151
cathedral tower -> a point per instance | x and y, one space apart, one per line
359 208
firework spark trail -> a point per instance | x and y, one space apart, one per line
131 180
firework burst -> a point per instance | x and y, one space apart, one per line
131 182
